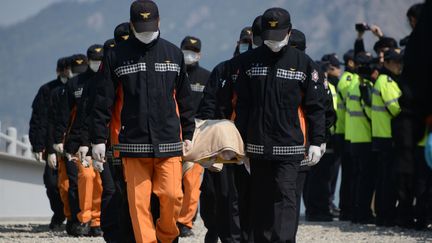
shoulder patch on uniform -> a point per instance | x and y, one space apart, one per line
315 76
389 79
348 78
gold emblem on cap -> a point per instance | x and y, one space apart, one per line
249 32
193 41
167 61
98 49
125 37
79 61
273 23
145 15
398 51
112 45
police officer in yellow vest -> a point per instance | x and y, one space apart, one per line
340 144
385 107
358 113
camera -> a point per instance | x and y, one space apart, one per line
362 27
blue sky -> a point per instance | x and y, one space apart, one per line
13 11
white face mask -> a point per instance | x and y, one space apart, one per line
190 57
146 37
243 47
94 65
276 46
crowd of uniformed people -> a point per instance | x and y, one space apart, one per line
114 124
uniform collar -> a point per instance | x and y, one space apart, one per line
192 67
389 73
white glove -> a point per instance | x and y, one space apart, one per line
39 157
98 166
86 161
82 152
314 155
98 152
52 161
58 147
187 145
323 149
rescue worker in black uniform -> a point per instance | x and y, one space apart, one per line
38 134
223 187
157 116
85 186
278 91
198 76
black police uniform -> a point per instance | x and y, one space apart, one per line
271 89
38 134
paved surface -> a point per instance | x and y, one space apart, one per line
308 232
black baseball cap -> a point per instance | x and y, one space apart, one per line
257 30
332 59
110 43
191 43
385 42
298 39
394 54
246 34
275 23
79 63
95 52
144 15
363 58
122 32
349 55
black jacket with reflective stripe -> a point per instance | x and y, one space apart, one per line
73 100
198 77
157 111
273 89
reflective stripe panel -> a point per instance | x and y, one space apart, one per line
375 91
379 108
354 97
148 148
197 87
257 71
134 148
356 113
170 147
288 150
391 101
167 67
255 149
288 74
128 69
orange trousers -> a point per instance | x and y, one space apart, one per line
163 177
90 195
63 185
191 191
